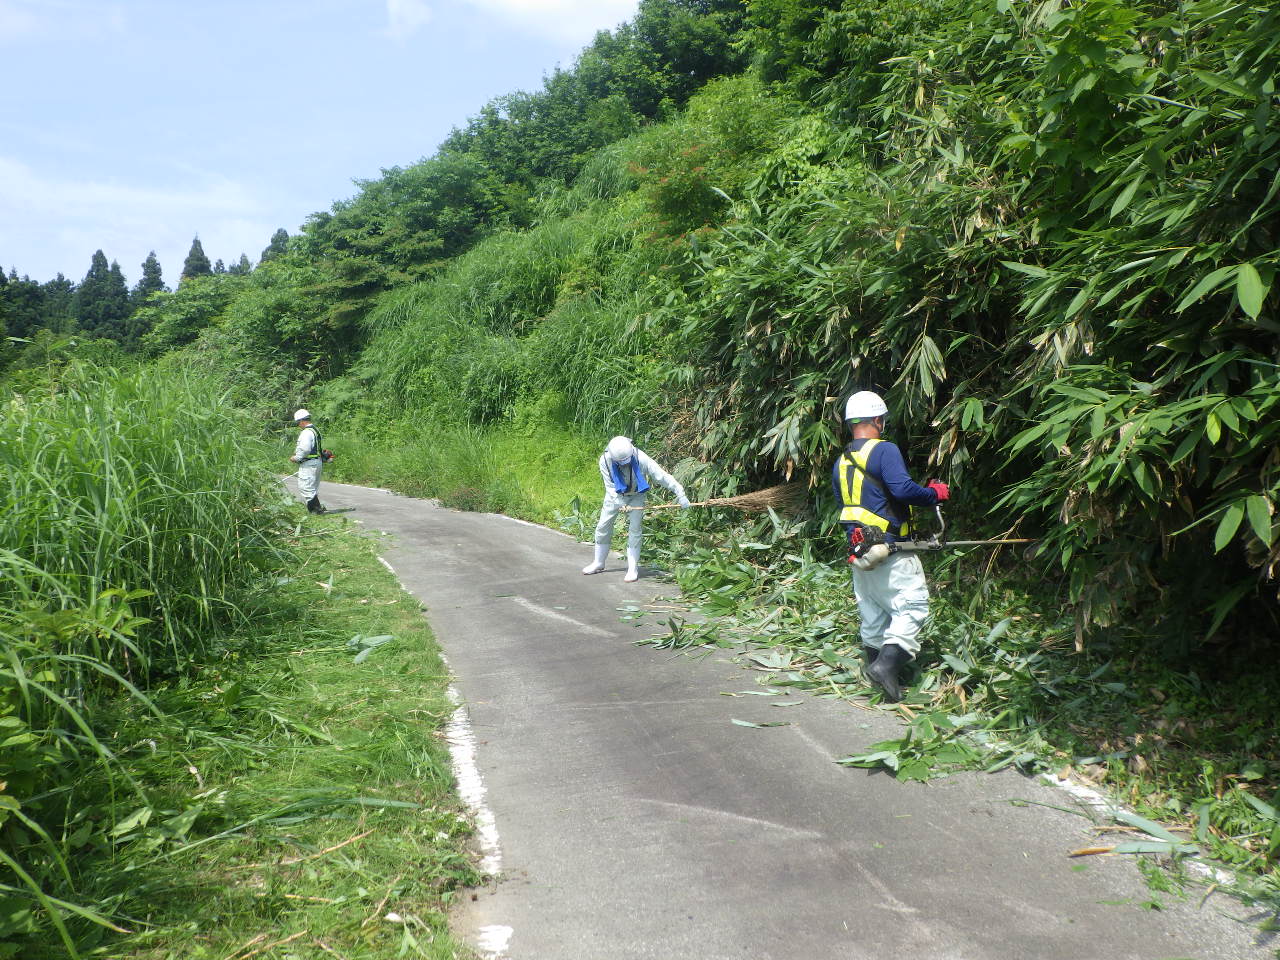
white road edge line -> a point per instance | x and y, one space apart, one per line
493 939
530 523
462 748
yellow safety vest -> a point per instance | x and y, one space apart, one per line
853 473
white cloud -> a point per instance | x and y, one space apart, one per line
24 19
54 225
406 17
568 21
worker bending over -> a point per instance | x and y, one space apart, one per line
627 474
875 493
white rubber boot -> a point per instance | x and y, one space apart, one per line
633 565
596 565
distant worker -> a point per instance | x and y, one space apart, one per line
309 456
627 474
875 493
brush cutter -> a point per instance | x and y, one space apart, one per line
939 541
869 548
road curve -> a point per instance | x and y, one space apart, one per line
636 820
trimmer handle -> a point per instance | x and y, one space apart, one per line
942 525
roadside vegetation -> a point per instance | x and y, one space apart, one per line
1044 230
174 650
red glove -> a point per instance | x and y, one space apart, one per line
940 488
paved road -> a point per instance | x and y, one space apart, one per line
637 821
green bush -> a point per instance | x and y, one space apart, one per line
1047 239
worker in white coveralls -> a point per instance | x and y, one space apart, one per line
309 456
627 474
875 492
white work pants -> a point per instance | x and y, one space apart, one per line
613 504
893 602
309 478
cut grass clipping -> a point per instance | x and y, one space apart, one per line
299 796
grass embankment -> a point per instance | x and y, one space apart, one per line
543 473
314 793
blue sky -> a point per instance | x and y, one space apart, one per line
135 125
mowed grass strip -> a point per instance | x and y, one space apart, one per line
313 794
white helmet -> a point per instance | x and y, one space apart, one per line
302 414
621 450
864 405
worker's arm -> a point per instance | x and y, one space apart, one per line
659 476
892 470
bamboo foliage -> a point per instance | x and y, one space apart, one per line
1048 233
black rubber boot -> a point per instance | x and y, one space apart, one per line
314 506
869 655
884 672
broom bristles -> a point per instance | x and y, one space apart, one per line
786 497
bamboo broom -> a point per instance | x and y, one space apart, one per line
784 498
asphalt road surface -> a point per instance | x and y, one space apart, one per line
636 820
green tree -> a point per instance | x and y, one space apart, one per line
58 312
152 281
641 71
169 320
219 266
241 267
196 264
279 244
23 305
101 304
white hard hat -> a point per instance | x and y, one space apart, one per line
621 450
864 405
302 415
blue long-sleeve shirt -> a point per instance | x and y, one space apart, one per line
887 466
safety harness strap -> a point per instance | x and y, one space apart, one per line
853 474
315 453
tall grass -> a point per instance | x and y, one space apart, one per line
135 516
139 483
534 466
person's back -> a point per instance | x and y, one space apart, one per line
876 492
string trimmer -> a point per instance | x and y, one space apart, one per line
939 541
868 547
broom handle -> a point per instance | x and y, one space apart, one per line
670 506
